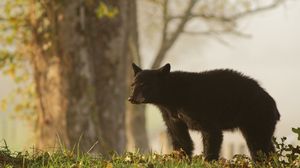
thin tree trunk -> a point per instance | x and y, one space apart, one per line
135 119
50 84
111 77
52 130
81 78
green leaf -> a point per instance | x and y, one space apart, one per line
104 10
297 131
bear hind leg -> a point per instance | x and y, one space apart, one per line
259 140
212 141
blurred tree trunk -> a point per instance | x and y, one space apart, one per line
135 119
80 61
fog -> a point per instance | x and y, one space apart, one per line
271 55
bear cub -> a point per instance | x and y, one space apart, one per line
210 102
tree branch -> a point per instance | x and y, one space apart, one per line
165 20
170 41
255 11
235 16
213 32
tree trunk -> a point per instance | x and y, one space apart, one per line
135 119
81 76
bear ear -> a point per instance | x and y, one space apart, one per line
166 68
136 69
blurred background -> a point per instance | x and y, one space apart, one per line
65 68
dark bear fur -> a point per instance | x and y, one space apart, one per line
209 102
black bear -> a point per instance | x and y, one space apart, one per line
209 102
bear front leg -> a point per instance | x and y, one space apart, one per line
212 141
180 136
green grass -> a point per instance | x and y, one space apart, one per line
65 158
286 155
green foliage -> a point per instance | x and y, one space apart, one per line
14 56
286 156
287 152
297 131
104 10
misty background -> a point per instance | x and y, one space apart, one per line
271 55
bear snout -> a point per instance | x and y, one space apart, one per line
136 99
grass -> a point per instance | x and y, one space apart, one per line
65 158
286 155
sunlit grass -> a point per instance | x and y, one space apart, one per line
286 155
65 158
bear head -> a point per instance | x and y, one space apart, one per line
147 85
